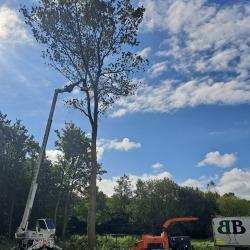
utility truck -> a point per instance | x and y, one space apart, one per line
43 237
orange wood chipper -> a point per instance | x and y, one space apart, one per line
164 241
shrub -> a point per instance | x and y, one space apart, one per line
78 242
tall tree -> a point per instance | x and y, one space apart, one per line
74 165
231 205
90 41
122 195
16 148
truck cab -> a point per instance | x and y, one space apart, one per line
43 237
45 226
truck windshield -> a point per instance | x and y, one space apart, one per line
50 224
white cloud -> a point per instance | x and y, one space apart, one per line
157 69
196 26
12 29
235 181
158 167
119 113
207 43
154 13
192 183
171 95
53 154
219 160
107 185
201 183
123 145
99 152
145 52
102 145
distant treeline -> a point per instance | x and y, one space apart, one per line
63 186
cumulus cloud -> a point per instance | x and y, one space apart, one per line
145 52
192 183
235 181
158 167
102 145
123 145
53 154
12 29
206 44
219 160
120 145
202 36
157 69
201 183
99 152
172 95
107 185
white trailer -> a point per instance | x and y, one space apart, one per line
232 233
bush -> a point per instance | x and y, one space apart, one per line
109 242
77 242
5 243
203 245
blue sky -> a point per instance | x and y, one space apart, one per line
191 120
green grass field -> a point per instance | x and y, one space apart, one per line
108 243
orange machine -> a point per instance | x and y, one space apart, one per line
159 242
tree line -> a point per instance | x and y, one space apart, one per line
63 191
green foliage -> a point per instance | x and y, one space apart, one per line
203 245
74 168
17 153
74 165
77 242
6 243
230 205
90 42
127 211
122 196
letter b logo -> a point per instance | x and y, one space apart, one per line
224 227
237 227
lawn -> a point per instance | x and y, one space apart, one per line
107 243
6 244
203 245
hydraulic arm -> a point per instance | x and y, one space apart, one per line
33 188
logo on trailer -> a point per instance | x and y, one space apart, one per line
231 227
236 228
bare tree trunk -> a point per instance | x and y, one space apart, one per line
66 214
57 206
92 194
11 217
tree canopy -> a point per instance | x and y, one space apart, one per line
90 42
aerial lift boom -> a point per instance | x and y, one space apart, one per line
25 241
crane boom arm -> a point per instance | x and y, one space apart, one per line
33 188
32 192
